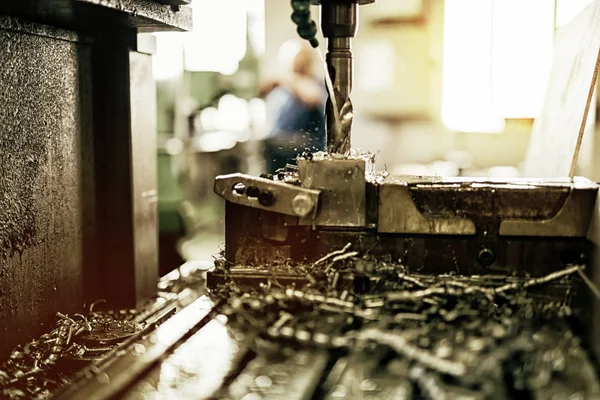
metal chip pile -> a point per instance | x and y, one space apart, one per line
479 337
34 370
38 368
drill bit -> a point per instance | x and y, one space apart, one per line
339 22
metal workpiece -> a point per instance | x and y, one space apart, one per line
343 190
268 195
332 192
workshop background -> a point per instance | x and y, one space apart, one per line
442 87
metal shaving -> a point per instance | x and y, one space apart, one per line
332 254
35 369
463 337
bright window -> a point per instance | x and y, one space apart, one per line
497 58
222 29
566 10
256 25
167 62
218 41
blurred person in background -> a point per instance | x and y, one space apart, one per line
295 106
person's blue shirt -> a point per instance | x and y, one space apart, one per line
293 117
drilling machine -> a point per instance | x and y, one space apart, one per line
431 225
522 228
338 281
530 230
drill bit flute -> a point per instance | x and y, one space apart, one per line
339 23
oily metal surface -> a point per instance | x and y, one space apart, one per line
73 345
144 15
148 15
143 170
44 137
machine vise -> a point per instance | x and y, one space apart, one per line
430 225
283 225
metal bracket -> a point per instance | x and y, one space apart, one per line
266 194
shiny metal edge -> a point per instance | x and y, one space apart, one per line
399 214
285 194
572 220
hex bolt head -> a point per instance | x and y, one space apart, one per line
252 191
266 198
239 188
302 205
